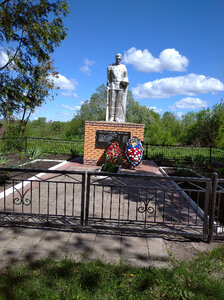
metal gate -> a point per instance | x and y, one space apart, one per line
148 203
127 201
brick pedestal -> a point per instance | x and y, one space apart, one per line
95 156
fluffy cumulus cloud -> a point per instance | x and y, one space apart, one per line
189 103
155 109
144 61
86 67
67 85
189 85
73 108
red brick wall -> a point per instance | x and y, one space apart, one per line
93 155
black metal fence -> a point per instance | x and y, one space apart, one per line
130 202
49 197
148 203
197 155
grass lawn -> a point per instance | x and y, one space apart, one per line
199 278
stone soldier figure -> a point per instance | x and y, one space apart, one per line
117 88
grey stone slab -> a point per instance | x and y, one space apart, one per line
30 255
82 237
12 231
137 262
135 247
24 242
81 243
115 259
157 249
4 241
107 245
80 247
33 232
2 229
54 241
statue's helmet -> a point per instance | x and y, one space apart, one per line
118 55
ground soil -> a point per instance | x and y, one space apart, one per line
15 160
182 248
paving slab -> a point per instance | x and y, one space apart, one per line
80 243
54 241
157 248
22 244
23 241
135 247
107 246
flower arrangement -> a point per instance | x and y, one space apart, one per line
112 157
134 151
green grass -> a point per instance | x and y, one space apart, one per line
44 145
200 278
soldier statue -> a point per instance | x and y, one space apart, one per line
117 88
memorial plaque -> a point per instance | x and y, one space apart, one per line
105 138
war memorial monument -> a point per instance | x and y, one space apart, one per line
100 134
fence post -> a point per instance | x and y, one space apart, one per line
25 144
146 155
87 198
206 207
212 207
83 193
210 154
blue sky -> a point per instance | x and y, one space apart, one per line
173 51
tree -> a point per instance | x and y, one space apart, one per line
137 113
204 128
29 31
26 29
95 109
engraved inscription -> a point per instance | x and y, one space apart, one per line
105 138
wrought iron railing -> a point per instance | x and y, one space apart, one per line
153 203
186 153
127 201
42 196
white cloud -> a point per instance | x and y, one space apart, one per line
144 61
190 85
69 94
86 67
189 103
155 109
3 58
64 83
67 85
179 114
73 108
